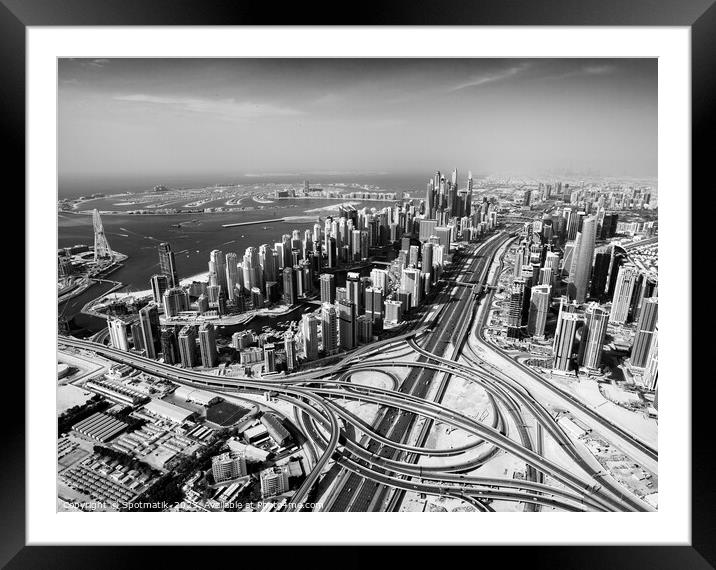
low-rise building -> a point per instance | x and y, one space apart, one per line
117 391
100 427
276 430
196 396
168 411
256 433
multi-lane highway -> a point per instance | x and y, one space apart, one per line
353 492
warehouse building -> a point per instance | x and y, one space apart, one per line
116 391
196 396
275 429
100 427
168 411
256 433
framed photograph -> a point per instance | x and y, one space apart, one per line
400 273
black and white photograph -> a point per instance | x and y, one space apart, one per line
349 284
399 271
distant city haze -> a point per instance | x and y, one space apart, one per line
174 119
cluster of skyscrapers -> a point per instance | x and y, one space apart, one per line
606 197
309 263
596 286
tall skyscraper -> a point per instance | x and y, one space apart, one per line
289 286
410 283
379 278
137 337
647 290
364 326
149 323
645 332
118 333
290 348
233 275
593 334
257 298
545 276
269 358
309 327
539 307
413 255
519 260
427 259
426 229
374 303
623 289
328 288
393 311
213 292
429 200
167 264
516 301
217 270
652 365
176 300
600 273
574 219
329 328
609 225
568 259
159 284
252 271
170 346
444 234
354 290
515 308
202 304
564 339
583 259
207 343
331 253
187 346
268 263
346 324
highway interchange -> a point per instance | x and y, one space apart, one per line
376 470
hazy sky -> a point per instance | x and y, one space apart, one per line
235 116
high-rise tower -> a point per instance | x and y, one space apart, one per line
207 344
567 324
626 279
167 264
593 334
539 306
583 260
645 333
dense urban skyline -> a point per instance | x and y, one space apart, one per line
446 314
229 116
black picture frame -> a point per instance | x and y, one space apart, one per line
17 15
